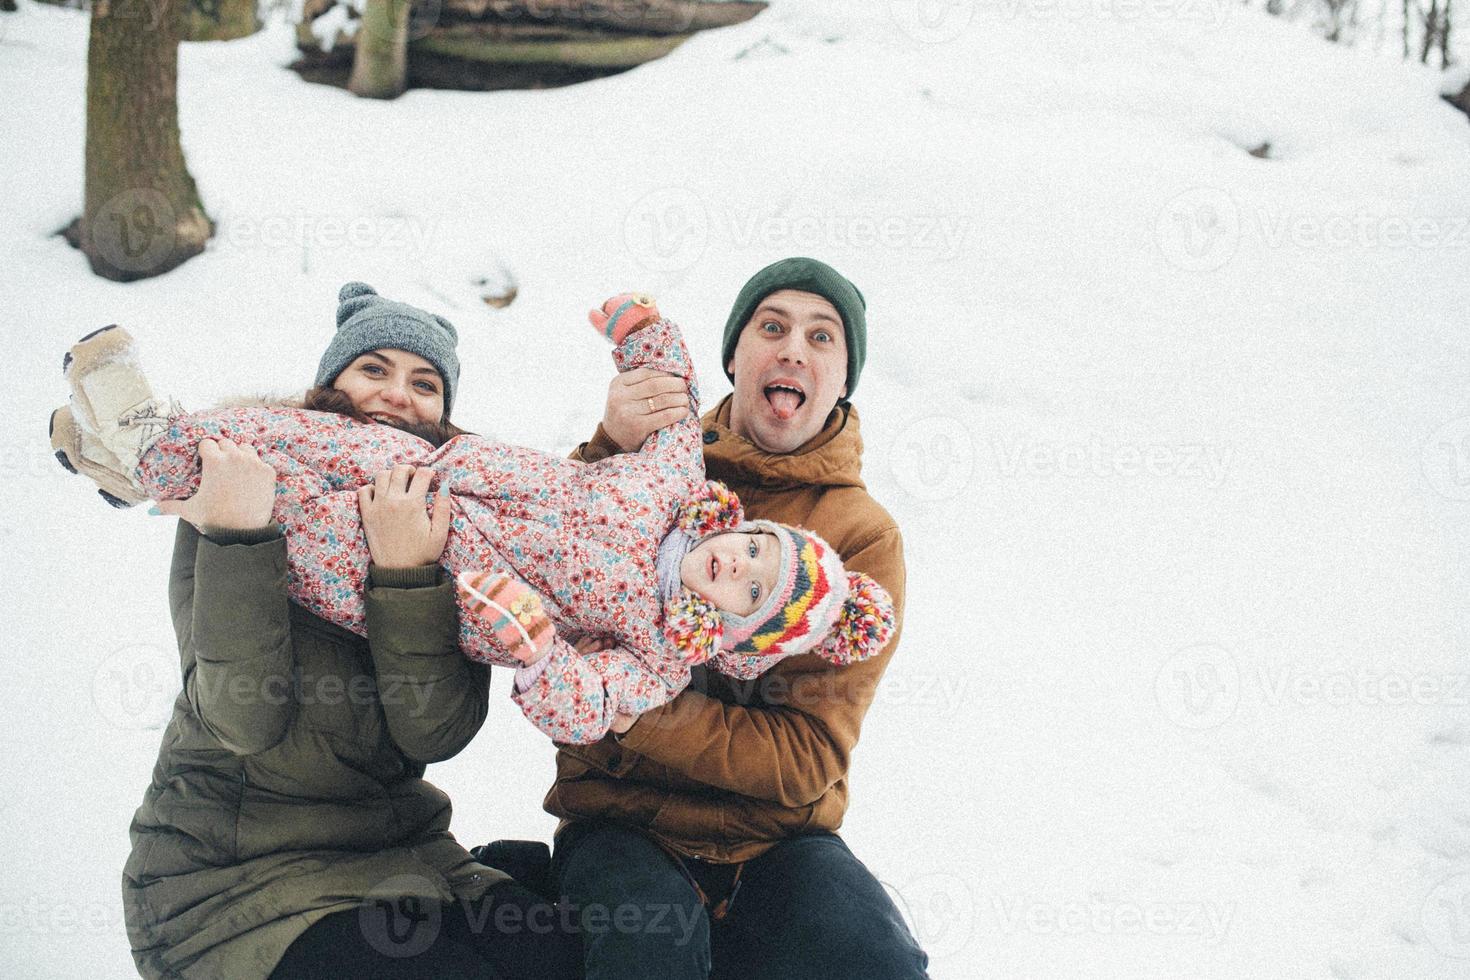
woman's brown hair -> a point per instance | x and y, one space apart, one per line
325 398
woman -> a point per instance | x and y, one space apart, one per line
288 831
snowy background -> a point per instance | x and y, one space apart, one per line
1179 439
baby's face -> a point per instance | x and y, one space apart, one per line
735 571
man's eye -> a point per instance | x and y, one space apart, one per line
823 336
771 326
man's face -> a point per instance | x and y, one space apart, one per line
790 367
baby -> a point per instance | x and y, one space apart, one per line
637 548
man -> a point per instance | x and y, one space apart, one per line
699 841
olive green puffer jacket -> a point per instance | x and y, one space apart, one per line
290 780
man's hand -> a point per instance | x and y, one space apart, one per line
640 402
395 518
594 644
236 489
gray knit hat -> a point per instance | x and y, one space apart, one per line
368 322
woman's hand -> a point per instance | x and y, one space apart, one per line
640 402
236 489
395 518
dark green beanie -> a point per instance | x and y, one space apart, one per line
809 276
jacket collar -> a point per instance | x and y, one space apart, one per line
831 458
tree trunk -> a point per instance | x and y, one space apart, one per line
380 63
220 20
141 214
1444 37
1431 28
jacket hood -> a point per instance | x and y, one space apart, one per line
831 458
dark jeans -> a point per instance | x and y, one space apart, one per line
511 934
806 909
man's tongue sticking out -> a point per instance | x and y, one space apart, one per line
784 401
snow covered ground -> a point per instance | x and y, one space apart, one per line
1179 439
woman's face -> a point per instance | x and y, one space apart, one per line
393 386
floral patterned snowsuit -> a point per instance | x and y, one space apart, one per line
584 536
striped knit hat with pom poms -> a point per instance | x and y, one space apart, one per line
817 606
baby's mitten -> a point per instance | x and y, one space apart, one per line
623 314
518 622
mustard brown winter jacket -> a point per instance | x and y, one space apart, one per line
727 772
290 780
